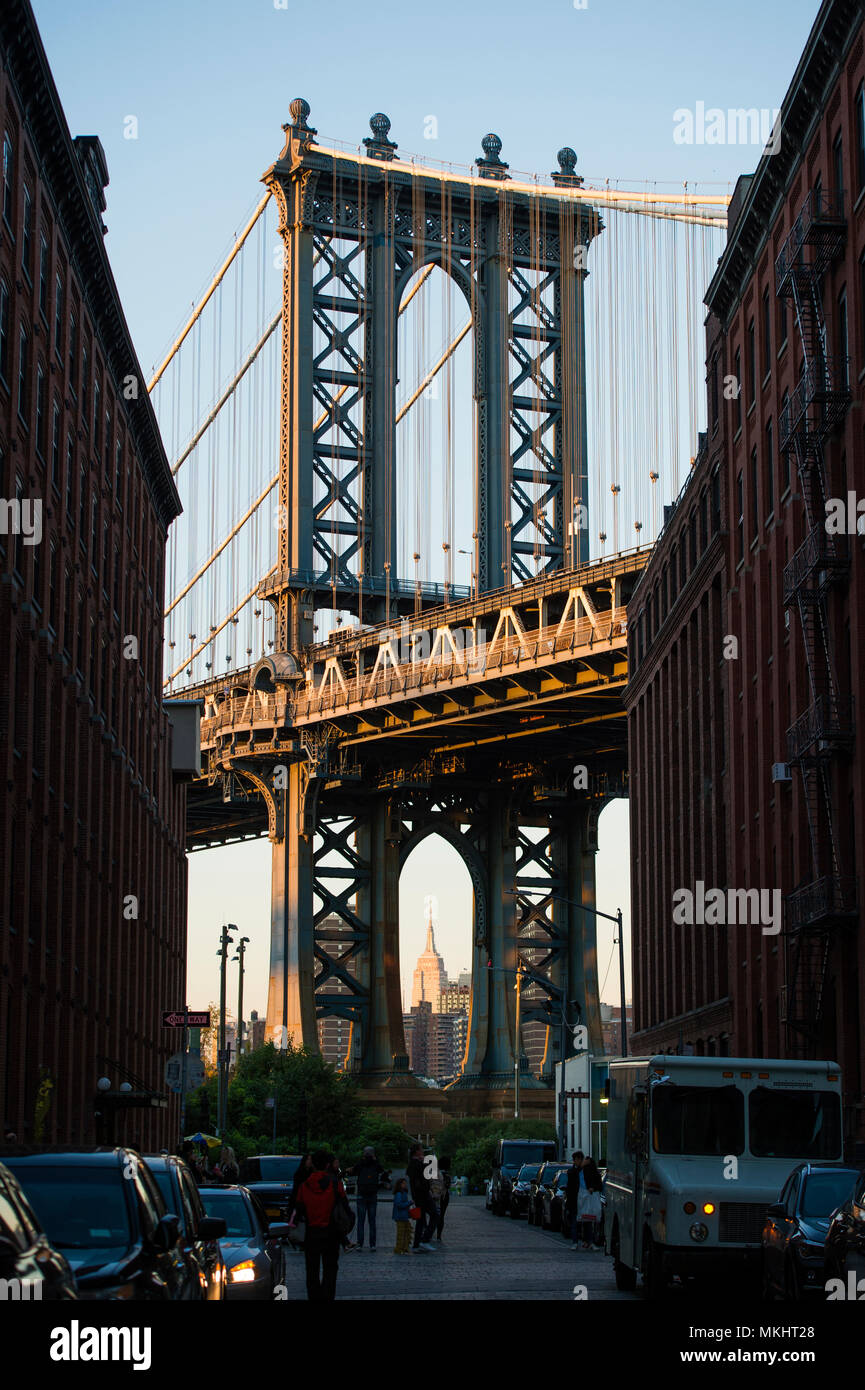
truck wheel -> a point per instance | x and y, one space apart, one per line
626 1278
654 1281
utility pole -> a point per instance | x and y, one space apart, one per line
241 952
517 1042
222 1068
621 941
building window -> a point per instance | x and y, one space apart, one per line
82 505
43 275
740 502
752 364
738 397
714 393
770 469
843 341
70 462
767 333
73 352
40 410
23 373
785 456
4 330
55 446
838 173
67 610
52 587
85 383
8 178
27 235
96 416
860 137
755 496
118 474
19 536
58 317
107 455
94 530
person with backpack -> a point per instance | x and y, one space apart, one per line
589 1204
401 1215
575 1184
320 1199
369 1173
420 1195
440 1188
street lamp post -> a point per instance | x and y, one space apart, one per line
520 971
241 952
620 940
222 1069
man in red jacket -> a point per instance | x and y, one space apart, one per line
316 1199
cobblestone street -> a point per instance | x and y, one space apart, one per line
482 1257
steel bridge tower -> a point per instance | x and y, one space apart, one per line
343 815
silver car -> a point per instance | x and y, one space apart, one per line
253 1251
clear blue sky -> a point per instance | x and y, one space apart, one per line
210 86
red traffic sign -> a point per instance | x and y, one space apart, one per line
194 1018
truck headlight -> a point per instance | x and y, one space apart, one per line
699 1231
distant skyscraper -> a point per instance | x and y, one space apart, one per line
430 976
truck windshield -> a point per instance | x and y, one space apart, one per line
795 1124
515 1155
698 1120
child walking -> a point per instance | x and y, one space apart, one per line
401 1208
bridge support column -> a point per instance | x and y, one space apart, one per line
582 970
378 903
490 1050
290 995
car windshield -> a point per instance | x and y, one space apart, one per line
231 1207
823 1192
79 1208
795 1124
272 1169
698 1120
548 1176
529 1172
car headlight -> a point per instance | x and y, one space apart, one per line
810 1251
244 1273
699 1231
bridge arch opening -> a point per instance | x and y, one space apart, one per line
436 451
437 921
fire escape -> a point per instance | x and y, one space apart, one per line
824 731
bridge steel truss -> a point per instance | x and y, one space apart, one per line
356 231
497 724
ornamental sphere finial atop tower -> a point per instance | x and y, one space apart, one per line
299 109
566 175
379 147
490 166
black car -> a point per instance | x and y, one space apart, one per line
253 1250
538 1203
553 1216
844 1247
30 1267
510 1156
199 1233
522 1188
796 1225
271 1177
103 1211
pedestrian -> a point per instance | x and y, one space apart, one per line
401 1209
440 1188
345 1239
420 1195
369 1173
575 1181
589 1203
316 1201
226 1170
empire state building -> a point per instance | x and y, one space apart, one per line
429 975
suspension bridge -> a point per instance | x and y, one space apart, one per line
421 419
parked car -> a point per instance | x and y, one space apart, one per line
27 1257
103 1211
796 1227
510 1156
199 1233
844 1247
540 1193
270 1177
252 1249
553 1205
522 1188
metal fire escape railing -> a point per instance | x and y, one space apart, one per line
825 730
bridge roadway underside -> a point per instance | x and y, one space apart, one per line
508 752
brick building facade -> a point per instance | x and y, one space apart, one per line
747 720
92 864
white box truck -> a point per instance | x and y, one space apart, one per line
698 1148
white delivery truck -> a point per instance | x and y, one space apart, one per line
698 1148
